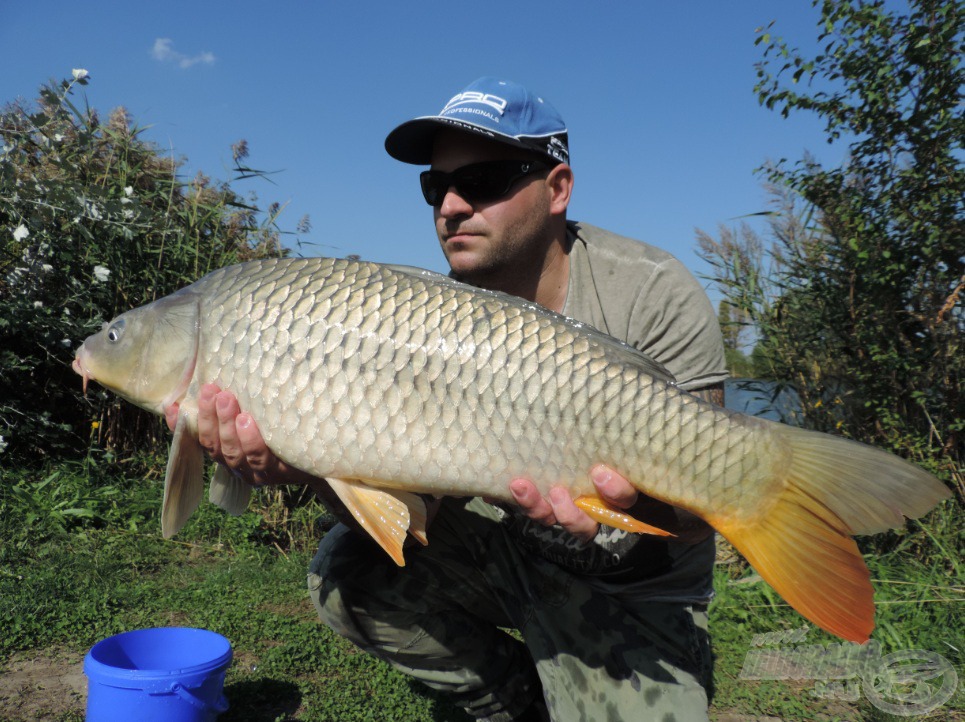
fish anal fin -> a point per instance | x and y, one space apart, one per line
228 491
799 549
386 514
417 515
601 512
183 480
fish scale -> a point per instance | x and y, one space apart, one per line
526 356
389 380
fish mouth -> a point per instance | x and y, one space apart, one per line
80 368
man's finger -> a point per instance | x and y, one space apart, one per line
532 502
227 410
208 435
614 489
570 516
253 446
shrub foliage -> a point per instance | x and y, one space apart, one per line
95 220
859 300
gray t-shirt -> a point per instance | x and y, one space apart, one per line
648 299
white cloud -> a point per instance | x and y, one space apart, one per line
163 52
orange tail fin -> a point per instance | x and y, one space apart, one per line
800 543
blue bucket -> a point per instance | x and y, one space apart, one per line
169 674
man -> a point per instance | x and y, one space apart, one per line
614 624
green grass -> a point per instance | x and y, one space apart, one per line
69 578
919 607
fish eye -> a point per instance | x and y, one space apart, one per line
115 331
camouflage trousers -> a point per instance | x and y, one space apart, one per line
442 619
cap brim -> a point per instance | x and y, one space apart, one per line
412 141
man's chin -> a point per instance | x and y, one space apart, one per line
464 263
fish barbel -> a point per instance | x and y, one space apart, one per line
391 381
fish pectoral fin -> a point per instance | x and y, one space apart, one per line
386 514
228 491
183 480
599 511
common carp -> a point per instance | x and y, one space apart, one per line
392 382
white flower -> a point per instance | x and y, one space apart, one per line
38 304
129 191
101 273
21 232
79 73
65 342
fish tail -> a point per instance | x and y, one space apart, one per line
801 542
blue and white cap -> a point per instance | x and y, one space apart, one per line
500 110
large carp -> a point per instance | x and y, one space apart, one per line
392 381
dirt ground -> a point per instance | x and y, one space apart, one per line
42 686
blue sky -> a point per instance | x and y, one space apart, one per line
665 129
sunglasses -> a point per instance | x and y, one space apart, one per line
477 182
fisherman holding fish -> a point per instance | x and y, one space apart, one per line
614 624
468 404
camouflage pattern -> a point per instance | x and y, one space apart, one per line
443 619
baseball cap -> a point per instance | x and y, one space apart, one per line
500 110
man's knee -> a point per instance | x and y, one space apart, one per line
330 583
359 592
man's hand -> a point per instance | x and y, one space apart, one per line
558 507
232 438
614 489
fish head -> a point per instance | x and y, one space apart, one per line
146 355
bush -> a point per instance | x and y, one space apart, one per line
94 220
858 302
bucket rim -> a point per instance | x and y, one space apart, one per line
94 668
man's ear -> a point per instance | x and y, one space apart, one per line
560 183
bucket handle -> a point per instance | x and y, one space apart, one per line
218 706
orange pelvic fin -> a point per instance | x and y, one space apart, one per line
599 511
386 514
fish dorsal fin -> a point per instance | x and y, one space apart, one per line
601 512
614 347
228 491
183 480
386 514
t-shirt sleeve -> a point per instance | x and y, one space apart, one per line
673 322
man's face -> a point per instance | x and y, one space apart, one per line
485 241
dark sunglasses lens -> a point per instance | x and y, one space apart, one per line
478 183
434 186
